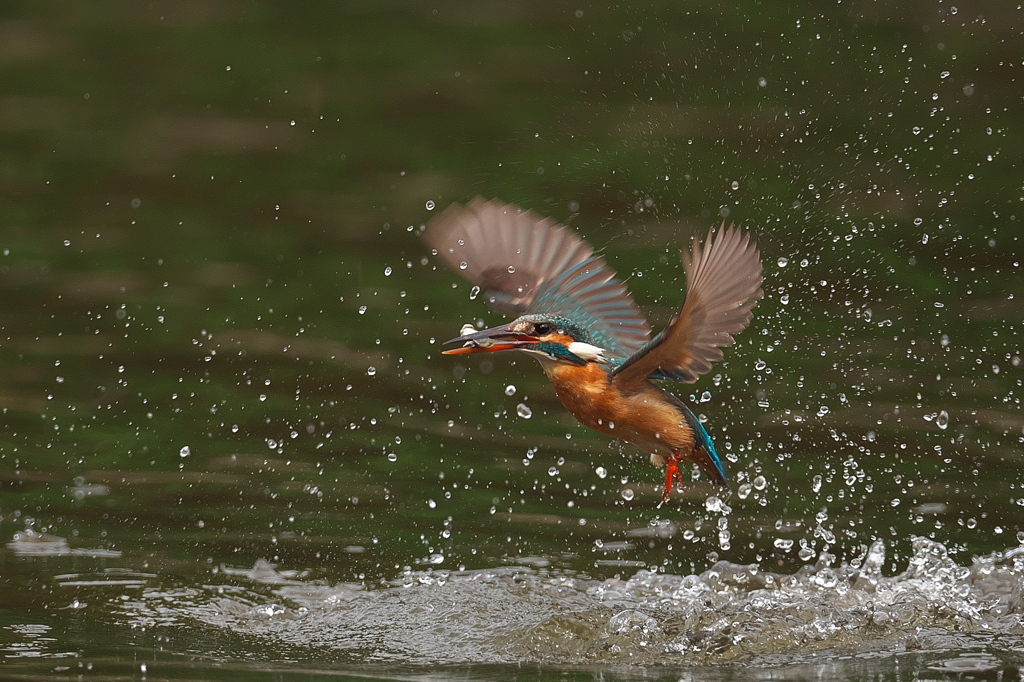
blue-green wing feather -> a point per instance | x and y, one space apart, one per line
588 295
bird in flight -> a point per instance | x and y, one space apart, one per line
580 322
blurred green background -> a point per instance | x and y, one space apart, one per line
219 331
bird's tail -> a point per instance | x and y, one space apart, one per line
705 454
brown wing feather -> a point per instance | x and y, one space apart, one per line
504 249
723 285
532 264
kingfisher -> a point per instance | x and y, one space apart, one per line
580 322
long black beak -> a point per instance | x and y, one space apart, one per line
490 340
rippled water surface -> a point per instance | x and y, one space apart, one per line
230 448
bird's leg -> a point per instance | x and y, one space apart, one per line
672 476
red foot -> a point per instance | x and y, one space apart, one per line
672 476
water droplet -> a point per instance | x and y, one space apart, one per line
524 411
816 483
370 371
627 494
387 271
362 310
185 451
552 471
431 504
760 483
823 410
705 397
783 261
392 457
511 269
474 292
510 390
463 265
942 421
759 365
430 204
601 472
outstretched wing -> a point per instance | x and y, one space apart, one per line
532 264
723 285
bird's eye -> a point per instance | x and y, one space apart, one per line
541 328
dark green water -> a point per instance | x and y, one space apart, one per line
220 342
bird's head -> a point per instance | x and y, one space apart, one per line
549 337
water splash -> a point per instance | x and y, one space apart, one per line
728 614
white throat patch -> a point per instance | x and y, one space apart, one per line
586 351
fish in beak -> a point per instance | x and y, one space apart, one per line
489 340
